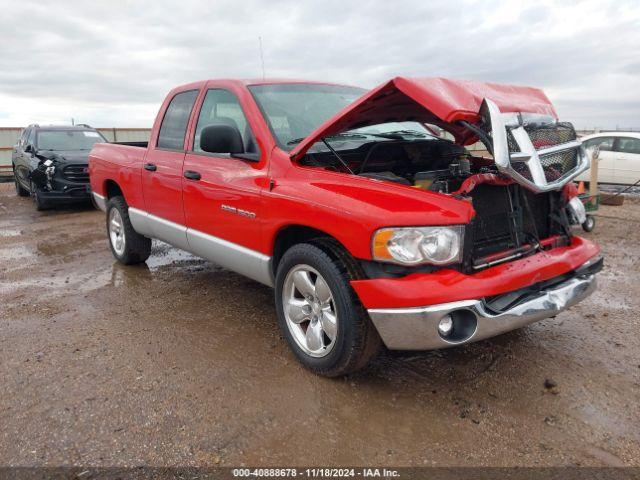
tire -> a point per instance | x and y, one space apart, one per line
355 341
20 190
41 204
132 248
589 224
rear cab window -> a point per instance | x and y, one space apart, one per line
175 120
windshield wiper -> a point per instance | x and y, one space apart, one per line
337 135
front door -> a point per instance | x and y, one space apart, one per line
162 173
222 194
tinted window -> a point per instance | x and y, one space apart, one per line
605 144
222 107
174 123
628 145
23 137
67 140
31 138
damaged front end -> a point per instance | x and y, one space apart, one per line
523 198
42 176
535 150
58 178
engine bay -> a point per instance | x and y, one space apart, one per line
511 221
434 164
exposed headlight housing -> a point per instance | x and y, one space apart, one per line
576 211
417 245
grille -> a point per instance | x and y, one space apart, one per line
76 173
544 136
507 218
555 165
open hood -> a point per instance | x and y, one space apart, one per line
519 124
439 101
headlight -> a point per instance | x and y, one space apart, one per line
415 245
576 211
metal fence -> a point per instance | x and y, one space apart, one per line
9 137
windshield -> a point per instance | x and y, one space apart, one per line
67 140
407 128
293 111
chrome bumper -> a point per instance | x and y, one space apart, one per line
417 328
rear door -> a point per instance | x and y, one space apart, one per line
222 193
627 160
162 171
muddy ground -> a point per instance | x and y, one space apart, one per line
178 362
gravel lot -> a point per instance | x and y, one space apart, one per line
178 362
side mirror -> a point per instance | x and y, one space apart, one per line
221 138
29 148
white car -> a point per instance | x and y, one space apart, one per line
619 157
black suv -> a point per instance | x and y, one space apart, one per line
51 163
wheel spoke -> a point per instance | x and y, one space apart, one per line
115 225
314 336
329 324
302 282
322 291
298 310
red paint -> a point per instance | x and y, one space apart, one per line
349 208
422 289
473 181
439 101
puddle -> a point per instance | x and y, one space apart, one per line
16 252
163 255
10 232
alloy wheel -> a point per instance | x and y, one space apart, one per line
310 311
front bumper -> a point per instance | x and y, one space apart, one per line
417 328
70 194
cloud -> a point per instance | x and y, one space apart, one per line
111 63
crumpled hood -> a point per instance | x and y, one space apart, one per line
440 101
66 157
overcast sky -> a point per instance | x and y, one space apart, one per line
110 63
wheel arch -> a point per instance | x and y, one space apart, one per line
294 234
112 189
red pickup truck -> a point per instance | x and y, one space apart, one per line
363 209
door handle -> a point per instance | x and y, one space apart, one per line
150 166
191 175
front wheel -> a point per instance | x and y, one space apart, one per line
41 204
20 190
127 245
320 315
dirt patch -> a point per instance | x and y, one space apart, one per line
179 362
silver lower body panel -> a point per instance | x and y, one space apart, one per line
242 260
417 328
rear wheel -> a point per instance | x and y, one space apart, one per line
320 315
127 245
22 192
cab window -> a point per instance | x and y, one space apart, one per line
222 107
628 145
174 123
605 144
